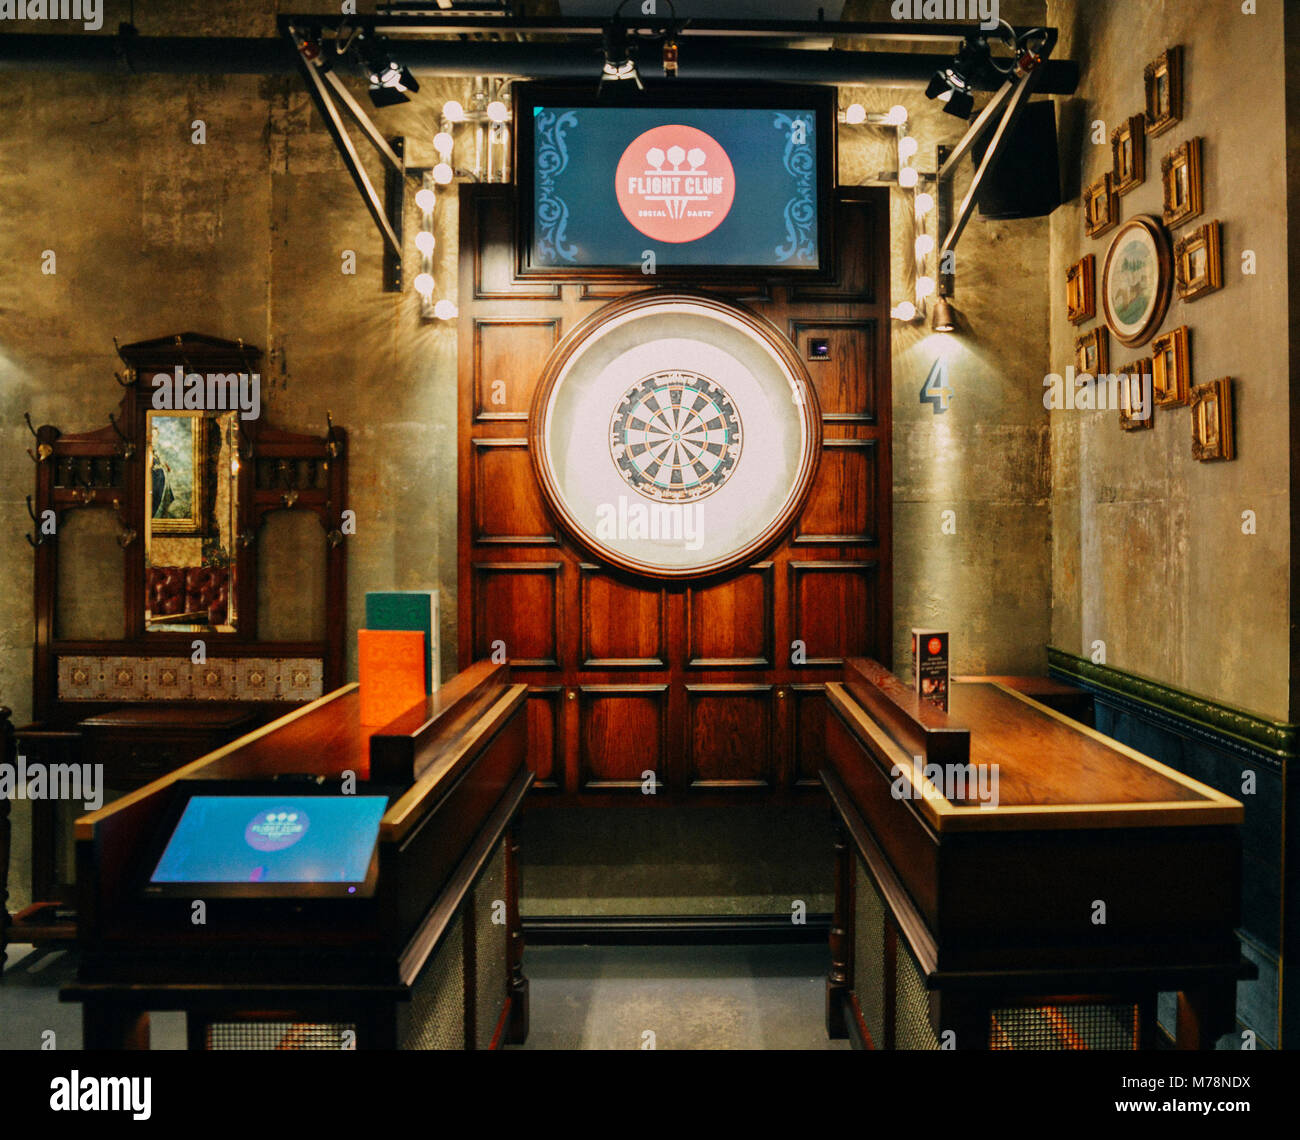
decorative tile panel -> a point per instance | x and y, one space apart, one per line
128 679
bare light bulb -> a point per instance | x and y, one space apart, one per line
424 285
497 111
908 178
424 242
442 174
445 310
924 204
897 115
924 244
426 200
924 287
855 113
907 146
905 311
453 112
443 143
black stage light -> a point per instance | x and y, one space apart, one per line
390 82
954 85
619 64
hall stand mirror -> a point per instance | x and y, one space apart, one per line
187 656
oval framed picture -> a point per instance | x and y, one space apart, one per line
675 434
1137 280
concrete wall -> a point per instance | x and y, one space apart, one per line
1148 551
243 237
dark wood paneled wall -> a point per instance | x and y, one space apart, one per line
698 683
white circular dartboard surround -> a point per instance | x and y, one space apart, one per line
675 434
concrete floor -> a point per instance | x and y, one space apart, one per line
677 997
583 997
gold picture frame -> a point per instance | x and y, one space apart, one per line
1212 427
176 482
1128 150
1198 261
1171 367
1163 81
1180 174
1100 207
1138 372
1092 352
1081 290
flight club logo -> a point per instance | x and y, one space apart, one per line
675 184
276 829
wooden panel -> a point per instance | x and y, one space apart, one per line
730 625
508 507
623 733
809 732
490 237
509 354
841 505
860 233
518 603
623 627
843 375
588 635
546 736
730 736
610 290
832 609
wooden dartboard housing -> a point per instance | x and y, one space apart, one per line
713 684
803 408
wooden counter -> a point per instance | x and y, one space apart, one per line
455 770
1020 853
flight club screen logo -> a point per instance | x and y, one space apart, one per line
675 184
276 829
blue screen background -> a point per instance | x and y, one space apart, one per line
577 220
209 845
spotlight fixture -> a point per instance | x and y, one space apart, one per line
621 44
954 85
943 320
619 64
390 82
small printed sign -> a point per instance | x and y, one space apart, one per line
930 665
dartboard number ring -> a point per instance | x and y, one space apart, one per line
675 436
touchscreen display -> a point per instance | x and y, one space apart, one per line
272 839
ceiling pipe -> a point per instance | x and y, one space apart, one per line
188 55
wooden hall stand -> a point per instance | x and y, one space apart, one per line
432 960
1100 879
133 698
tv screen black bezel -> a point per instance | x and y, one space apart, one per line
669 94
185 790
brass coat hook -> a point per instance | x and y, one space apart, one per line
128 448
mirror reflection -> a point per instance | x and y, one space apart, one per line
191 510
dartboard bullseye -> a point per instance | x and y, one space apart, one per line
675 436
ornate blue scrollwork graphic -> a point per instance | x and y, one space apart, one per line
801 209
552 210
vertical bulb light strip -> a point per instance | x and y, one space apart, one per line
912 182
489 115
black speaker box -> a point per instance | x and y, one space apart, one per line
1026 182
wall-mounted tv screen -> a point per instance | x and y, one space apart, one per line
270 845
677 180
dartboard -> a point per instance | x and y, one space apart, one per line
675 436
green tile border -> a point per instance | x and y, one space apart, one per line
1277 739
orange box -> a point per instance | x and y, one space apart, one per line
391 664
